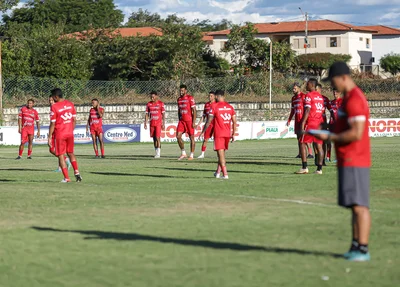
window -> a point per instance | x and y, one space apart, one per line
312 43
361 39
368 43
296 44
333 42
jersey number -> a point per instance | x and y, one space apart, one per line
226 117
66 116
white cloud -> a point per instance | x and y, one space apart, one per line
231 6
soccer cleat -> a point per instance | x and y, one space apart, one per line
310 156
78 177
302 171
298 156
65 180
328 159
182 157
18 158
224 177
157 156
29 157
217 175
190 158
57 170
358 256
348 254
201 156
318 172
103 156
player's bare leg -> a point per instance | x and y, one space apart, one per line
203 148
299 144
361 226
74 164
319 157
30 146
192 147
95 146
325 149
309 149
181 146
101 141
329 151
303 153
222 163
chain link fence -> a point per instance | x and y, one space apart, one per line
249 88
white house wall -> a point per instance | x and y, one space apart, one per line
360 53
384 45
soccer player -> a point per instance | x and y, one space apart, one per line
52 148
335 105
312 119
223 117
155 111
187 121
95 122
63 121
327 104
297 112
209 132
353 151
26 127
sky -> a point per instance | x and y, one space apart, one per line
356 12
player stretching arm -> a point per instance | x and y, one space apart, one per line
95 122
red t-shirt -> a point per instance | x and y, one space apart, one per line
185 105
62 114
335 105
315 102
28 117
358 153
95 119
223 113
298 107
155 110
207 108
327 104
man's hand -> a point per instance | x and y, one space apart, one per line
321 136
38 134
19 130
232 138
287 124
49 142
194 125
145 126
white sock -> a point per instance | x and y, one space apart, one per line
159 151
191 154
202 153
183 152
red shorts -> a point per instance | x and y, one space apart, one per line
185 127
53 144
96 130
64 145
221 143
25 133
209 132
306 138
155 132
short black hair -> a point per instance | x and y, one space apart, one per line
313 81
95 100
319 86
183 87
211 92
219 93
57 92
153 93
31 100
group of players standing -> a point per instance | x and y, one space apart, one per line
309 112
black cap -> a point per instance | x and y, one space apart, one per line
337 69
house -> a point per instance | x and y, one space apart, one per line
324 36
386 41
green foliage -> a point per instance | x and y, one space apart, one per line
391 63
78 15
318 62
144 18
7 4
208 26
283 56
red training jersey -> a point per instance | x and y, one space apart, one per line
155 110
62 114
315 102
28 117
357 153
335 106
222 113
185 105
95 119
327 104
207 108
297 107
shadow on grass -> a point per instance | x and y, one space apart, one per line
263 163
7 180
93 234
135 174
211 170
127 157
22 169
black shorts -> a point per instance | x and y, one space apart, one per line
353 186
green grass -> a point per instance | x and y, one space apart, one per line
136 221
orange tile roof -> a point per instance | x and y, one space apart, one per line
300 26
384 30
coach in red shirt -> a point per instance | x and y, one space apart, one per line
354 157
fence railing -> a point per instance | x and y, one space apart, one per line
249 88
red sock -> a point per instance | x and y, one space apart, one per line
224 171
96 152
218 170
21 151
203 148
75 166
65 173
29 152
102 151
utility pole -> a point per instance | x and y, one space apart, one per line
270 78
306 38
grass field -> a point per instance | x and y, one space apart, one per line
136 221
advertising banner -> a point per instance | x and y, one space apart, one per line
272 130
384 128
9 136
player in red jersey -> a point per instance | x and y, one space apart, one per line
297 111
312 119
95 123
26 127
209 132
223 116
334 108
155 111
187 121
327 104
52 148
353 151
63 121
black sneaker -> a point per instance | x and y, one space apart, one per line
298 156
310 156
29 157
103 156
78 177
18 158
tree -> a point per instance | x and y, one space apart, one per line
283 57
208 26
144 18
318 62
7 4
391 63
77 15
214 66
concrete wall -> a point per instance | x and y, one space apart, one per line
384 45
245 112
